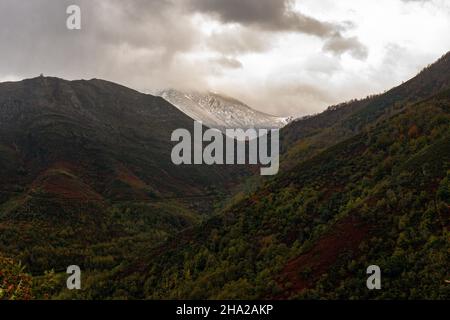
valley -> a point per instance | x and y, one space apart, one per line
87 179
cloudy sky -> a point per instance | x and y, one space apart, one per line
280 56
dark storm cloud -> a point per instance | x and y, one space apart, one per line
279 16
155 44
339 45
273 15
119 37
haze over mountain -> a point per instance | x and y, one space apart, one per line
221 112
72 153
86 179
283 57
45 120
375 191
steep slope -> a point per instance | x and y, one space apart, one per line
107 130
381 197
88 162
305 137
221 112
377 192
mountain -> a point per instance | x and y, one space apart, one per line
87 162
85 179
376 193
221 112
108 130
307 136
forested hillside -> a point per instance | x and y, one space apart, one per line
380 197
364 183
86 175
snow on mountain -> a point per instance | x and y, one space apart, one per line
221 112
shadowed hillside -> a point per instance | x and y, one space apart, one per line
363 183
87 162
380 196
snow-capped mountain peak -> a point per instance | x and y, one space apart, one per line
221 112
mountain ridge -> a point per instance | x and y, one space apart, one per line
220 111
375 194
361 184
89 161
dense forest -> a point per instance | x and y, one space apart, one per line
381 197
364 183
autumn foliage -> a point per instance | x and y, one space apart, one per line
15 284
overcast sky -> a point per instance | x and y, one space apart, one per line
279 56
